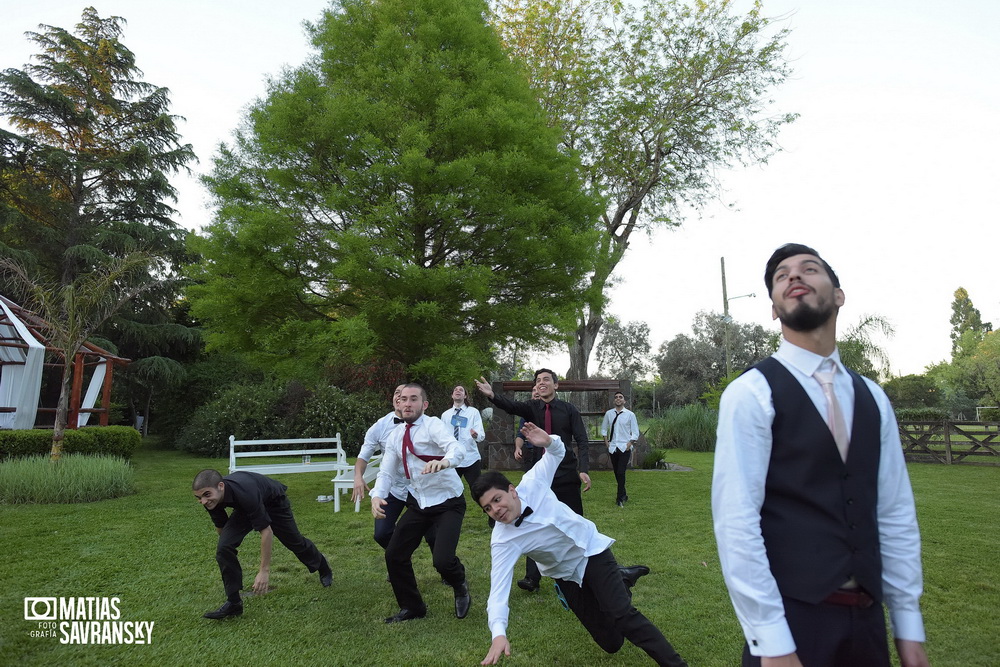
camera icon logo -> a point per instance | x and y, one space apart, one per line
40 609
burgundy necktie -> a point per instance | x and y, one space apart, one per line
407 447
548 419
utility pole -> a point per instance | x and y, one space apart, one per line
725 317
726 320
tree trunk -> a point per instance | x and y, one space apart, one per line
62 410
582 345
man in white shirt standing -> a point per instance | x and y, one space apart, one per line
376 439
467 427
620 429
813 510
567 547
424 452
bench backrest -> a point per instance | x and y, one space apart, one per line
303 448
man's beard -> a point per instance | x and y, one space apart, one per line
807 317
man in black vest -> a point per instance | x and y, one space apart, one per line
814 515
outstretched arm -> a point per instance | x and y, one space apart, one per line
484 387
264 575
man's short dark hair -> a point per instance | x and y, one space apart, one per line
790 250
620 392
491 479
555 378
205 479
414 385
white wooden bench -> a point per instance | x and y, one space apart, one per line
301 452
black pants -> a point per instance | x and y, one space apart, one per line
830 635
471 473
385 527
604 606
445 519
619 461
284 529
567 490
530 456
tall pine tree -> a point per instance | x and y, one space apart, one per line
84 177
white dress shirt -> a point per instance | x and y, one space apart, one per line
742 454
626 429
431 437
375 441
474 422
558 539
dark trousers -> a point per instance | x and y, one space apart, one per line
530 456
604 606
471 473
567 489
285 531
445 519
385 527
619 461
830 635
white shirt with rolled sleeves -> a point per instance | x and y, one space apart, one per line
742 455
626 429
558 539
376 439
474 423
431 437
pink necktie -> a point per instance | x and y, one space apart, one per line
834 416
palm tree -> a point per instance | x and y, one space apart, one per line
73 312
859 349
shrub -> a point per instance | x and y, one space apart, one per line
248 411
270 410
653 457
74 479
96 440
114 440
921 414
691 427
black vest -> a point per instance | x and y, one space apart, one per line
819 518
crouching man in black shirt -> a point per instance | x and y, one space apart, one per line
259 503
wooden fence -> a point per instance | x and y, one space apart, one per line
958 442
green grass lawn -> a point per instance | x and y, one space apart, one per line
155 551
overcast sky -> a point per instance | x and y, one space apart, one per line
890 172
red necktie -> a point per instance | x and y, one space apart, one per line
407 446
548 418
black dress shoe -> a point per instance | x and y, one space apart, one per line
630 575
407 615
227 609
462 600
529 585
325 573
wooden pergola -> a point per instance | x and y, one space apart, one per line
22 333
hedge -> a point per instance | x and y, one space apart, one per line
107 440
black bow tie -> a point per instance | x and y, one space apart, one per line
397 420
524 515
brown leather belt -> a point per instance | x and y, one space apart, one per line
850 598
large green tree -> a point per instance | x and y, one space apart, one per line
690 364
623 351
656 98
398 196
84 177
967 326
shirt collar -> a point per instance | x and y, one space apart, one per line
805 361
